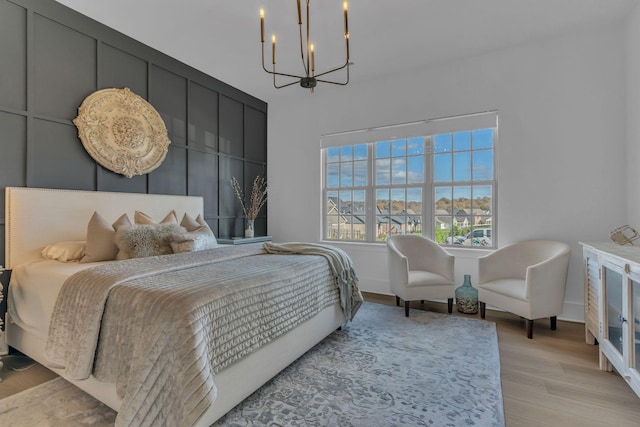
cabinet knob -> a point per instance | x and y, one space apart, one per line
621 319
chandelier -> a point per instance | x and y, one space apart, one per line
309 79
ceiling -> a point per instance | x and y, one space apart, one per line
222 37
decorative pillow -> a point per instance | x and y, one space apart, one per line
144 240
65 251
197 240
100 234
189 223
143 218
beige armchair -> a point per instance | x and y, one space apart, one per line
419 269
527 278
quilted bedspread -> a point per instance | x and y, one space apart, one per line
161 327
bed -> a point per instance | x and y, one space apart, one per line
37 217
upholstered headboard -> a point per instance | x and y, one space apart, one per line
36 217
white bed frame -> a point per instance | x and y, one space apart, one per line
36 217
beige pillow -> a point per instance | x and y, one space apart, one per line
189 223
143 218
65 251
144 240
100 234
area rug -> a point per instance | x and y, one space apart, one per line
383 369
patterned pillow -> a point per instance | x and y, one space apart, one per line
197 240
144 240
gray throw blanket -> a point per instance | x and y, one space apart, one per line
346 277
161 327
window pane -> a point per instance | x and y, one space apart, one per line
414 211
483 165
333 177
443 203
443 229
360 152
462 166
382 201
482 138
344 203
360 173
333 154
399 172
415 145
346 174
332 202
482 199
415 169
442 143
442 167
383 227
399 147
383 149
346 153
462 141
383 172
332 226
398 202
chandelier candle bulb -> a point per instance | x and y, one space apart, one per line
273 47
262 25
345 5
313 60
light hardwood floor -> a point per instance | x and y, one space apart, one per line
552 380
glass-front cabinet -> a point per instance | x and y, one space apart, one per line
617 291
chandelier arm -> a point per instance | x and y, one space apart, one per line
346 64
337 83
277 73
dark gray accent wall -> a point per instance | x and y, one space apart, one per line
52 57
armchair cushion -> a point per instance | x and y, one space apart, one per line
512 288
426 278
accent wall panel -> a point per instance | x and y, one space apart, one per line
57 160
64 70
53 57
120 69
13 91
203 118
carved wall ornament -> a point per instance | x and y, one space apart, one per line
122 131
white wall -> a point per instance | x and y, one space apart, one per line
561 153
633 119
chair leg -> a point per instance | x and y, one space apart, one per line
406 308
483 309
529 328
397 300
554 322
450 305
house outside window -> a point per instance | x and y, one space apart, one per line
434 178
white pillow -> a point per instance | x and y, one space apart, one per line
143 218
65 251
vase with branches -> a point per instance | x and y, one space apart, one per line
256 201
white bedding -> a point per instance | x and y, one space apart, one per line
33 289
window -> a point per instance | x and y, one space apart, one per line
434 178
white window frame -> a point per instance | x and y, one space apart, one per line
427 129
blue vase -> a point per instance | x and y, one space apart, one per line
467 297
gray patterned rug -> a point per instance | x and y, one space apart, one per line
383 369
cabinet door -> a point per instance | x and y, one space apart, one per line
613 289
635 315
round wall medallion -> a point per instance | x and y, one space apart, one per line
122 131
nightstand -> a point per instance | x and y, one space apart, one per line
243 240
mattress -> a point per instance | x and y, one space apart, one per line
33 289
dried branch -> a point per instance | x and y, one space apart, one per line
258 196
